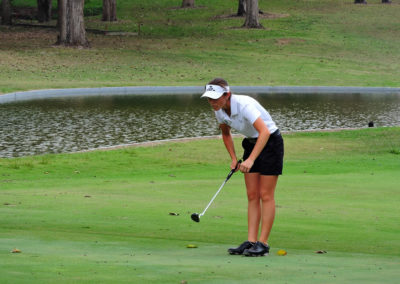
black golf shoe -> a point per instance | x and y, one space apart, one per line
258 249
240 249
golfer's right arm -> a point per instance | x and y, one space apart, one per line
228 141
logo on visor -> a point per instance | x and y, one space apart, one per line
210 88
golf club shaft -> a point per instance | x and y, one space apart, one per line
212 199
215 195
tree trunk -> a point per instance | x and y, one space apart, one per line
44 10
60 20
109 10
252 21
71 23
187 4
241 8
360 2
6 18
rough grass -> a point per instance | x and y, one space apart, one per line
325 42
103 216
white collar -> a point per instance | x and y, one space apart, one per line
234 108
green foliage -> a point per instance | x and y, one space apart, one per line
395 151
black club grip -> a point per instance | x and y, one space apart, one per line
233 171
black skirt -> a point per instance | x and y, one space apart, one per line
270 160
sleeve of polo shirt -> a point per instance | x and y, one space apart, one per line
219 117
251 113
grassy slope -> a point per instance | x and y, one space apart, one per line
339 193
324 42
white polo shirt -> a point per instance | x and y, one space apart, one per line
244 112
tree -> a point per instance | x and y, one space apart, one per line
109 10
71 23
44 10
187 4
241 8
6 12
252 15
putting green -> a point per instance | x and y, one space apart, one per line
125 259
105 216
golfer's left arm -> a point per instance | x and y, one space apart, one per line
263 136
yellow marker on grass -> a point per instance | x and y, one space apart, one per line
281 252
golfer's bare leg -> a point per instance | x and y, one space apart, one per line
267 192
254 208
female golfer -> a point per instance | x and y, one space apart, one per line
262 159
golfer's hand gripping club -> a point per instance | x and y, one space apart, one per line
233 170
196 217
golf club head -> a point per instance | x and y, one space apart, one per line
195 217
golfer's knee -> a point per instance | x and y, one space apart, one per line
267 197
253 196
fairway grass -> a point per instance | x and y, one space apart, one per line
104 216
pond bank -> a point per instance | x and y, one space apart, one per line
210 137
159 90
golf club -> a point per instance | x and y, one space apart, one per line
195 216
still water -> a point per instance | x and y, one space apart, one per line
74 124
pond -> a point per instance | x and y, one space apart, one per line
81 123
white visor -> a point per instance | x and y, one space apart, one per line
215 91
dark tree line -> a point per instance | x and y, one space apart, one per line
109 10
6 12
44 11
365 2
71 18
248 8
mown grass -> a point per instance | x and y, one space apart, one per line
325 42
103 216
